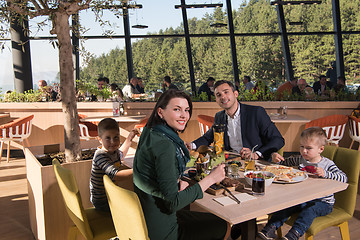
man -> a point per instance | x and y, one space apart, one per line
140 86
322 87
102 82
246 126
248 84
206 87
167 84
50 94
130 89
331 73
286 87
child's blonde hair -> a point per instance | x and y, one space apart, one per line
107 124
315 132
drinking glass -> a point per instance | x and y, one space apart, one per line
258 185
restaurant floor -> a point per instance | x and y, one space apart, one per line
14 218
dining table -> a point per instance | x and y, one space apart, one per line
119 119
277 196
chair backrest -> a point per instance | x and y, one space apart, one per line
354 128
87 130
19 129
126 211
334 126
348 161
205 123
72 198
141 124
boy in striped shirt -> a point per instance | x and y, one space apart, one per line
312 143
107 160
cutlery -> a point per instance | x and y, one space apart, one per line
230 194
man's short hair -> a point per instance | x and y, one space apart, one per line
322 76
107 124
315 132
210 79
221 82
103 79
167 79
247 78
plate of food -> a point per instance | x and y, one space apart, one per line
284 174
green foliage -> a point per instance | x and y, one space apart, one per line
87 88
27 96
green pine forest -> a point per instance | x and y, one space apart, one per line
258 56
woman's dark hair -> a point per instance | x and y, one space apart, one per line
114 87
163 101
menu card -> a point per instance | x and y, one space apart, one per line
226 200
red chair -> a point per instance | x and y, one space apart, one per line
141 124
205 123
17 130
334 126
87 130
354 130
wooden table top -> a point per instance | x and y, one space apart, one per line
288 119
124 118
277 196
4 115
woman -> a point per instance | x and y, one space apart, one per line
159 163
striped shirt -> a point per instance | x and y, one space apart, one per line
330 169
103 163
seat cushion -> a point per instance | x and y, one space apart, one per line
101 224
336 217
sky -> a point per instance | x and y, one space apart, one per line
44 58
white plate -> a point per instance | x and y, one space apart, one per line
295 179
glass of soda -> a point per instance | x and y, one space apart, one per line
258 185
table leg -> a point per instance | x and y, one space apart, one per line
248 230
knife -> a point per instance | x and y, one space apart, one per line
230 193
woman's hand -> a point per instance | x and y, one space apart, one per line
183 185
276 158
216 175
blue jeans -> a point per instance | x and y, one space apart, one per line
307 213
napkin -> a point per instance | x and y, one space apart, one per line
226 200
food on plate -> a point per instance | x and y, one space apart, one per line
228 182
283 173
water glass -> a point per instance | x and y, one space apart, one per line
258 186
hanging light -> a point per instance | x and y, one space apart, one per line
218 25
280 2
140 26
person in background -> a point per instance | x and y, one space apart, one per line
130 89
102 82
248 84
107 160
312 143
207 88
117 93
340 86
322 87
50 94
159 165
167 84
140 86
331 73
286 88
301 87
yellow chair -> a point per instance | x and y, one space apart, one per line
126 211
92 224
349 162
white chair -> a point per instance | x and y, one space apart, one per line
333 125
87 130
17 130
205 123
354 130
